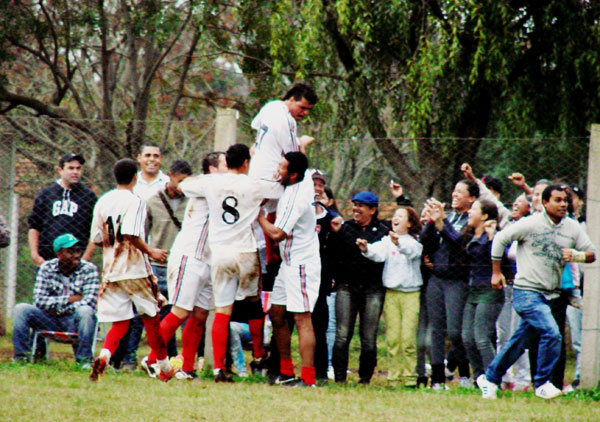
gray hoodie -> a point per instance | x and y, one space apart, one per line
539 250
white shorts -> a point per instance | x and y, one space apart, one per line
188 281
297 286
116 297
235 276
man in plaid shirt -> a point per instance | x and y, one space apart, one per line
64 299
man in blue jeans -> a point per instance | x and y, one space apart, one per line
64 299
546 241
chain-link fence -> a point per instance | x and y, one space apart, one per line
31 149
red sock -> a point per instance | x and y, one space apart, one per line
286 367
308 375
168 326
220 331
158 346
257 333
192 335
115 334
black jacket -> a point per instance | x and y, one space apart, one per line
57 210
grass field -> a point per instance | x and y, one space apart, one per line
59 391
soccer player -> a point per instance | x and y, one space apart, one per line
118 226
296 287
188 274
233 200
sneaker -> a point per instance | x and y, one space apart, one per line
330 373
568 389
299 383
284 379
547 391
465 382
98 368
439 387
364 381
221 376
489 390
185 375
243 374
166 376
151 369
259 366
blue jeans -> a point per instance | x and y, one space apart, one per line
479 333
331 326
536 317
239 333
350 303
27 317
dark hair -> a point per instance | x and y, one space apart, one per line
236 155
149 145
543 182
330 195
467 232
413 219
297 163
211 159
124 170
302 90
180 167
547 193
493 183
489 208
472 187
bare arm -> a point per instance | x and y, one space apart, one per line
34 245
519 180
159 255
498 280
269 228
89 251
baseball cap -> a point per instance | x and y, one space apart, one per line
70 157
367 198
577 191
321 176
64 241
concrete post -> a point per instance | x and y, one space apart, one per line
590 341
225 128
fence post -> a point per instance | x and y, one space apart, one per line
590 339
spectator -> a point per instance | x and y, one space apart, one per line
150 178
4 233
64 299
360 290
64 207
401 253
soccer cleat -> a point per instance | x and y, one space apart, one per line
465 382
166 376
259 366
185 375
98 368
489 390
299 383
221 376
284 379
151 369
547 391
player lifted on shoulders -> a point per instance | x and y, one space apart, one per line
296 287
118 226
233 202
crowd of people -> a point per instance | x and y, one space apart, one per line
479 288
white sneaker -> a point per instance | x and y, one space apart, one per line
489 390
465 382
439 387
547 391
330 373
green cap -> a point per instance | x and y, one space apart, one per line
64 241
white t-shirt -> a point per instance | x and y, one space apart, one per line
119 212
276 136
145 190
233 203
296 217
192 239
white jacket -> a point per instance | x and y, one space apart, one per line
402 270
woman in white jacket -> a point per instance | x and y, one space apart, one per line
401 252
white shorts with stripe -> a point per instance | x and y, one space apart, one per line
297 286
188 281
235 276
116 297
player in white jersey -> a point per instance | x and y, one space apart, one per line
188 274
118 226
296 287
233 201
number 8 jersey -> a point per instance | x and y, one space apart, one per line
119 212
233 204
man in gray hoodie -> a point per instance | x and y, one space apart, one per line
546 242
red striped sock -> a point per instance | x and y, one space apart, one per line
192 335
158 346
168 327
286 367
308 375
115 334
220 332
256 332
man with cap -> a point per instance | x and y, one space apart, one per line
360 289
66 206
64 299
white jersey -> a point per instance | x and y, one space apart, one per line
145 190
192 239
296 216
233 203
276 136
119 212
